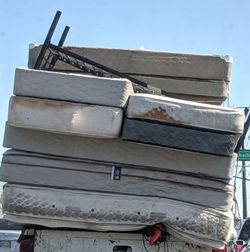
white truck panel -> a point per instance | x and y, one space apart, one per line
75 241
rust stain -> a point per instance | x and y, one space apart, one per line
161 114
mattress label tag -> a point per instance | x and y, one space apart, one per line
116 172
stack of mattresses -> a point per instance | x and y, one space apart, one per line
199 78
88 153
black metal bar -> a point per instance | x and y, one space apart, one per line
105 68
246 127
60 44
244 188
85 64
64 35
78 64
244 176
47 40
98 65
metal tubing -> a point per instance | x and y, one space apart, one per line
64 35
47 40
60 44
244 189
105 68
100 66
246 127
244 182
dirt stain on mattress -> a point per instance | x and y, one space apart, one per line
160 114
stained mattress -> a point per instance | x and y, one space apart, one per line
118 151
72 87
101 211
184 113
55 171
181 124
65 117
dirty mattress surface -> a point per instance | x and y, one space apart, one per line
65 117
85 174
102 211
185 113
118 151
182 124
72 87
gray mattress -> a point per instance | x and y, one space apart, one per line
118 151
178 137
55 171
72 87
101 211
205 91
65 117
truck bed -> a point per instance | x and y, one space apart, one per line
74 241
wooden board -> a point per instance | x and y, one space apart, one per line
179 137
65 117
118 151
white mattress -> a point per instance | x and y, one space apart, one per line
78 209
65 117
72 87
118 151
200 89
151 62
203 91
185 113
55 171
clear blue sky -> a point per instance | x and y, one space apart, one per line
191 26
